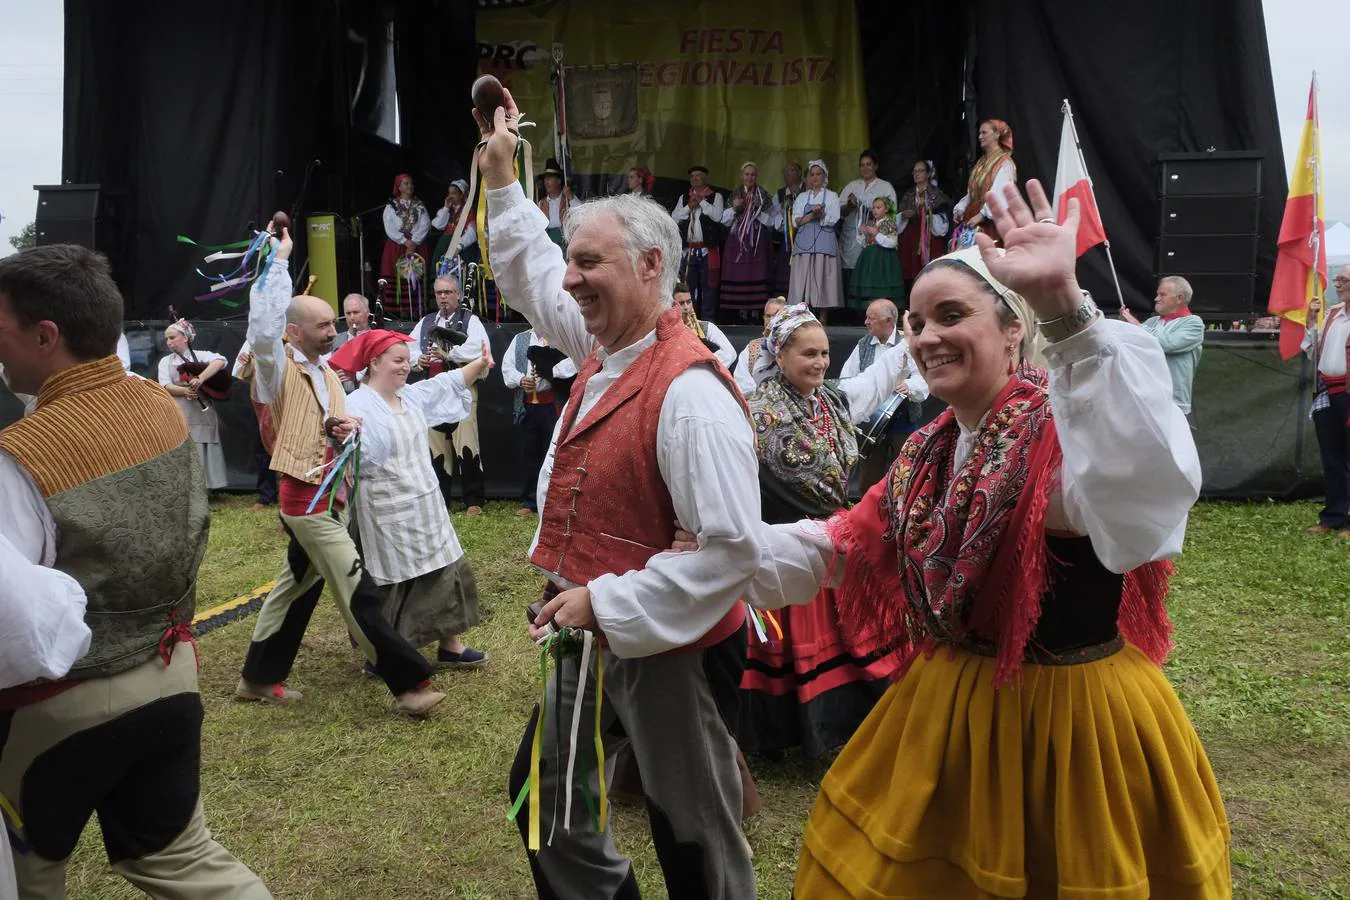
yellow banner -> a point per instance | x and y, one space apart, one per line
706 82
323 257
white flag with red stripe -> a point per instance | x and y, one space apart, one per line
1071 180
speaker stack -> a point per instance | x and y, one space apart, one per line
90 215
1210 203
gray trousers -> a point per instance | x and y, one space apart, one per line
673 709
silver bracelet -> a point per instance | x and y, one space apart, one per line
1071 323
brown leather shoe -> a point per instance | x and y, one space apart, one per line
525 513
474 510
417 704
266 693
1318 529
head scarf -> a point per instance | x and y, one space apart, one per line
397 178
645 176
824 168
357 353
459 183
183 327
1004 132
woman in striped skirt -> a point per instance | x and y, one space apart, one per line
408 546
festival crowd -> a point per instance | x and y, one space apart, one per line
981 633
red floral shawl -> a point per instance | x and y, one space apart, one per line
936 556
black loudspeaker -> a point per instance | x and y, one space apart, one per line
1207 232
90 215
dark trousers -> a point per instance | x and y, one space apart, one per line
536 430
1333 437
267 479
468 466
699 278
321 551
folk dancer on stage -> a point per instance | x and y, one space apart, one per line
1016 557
554 202
747 259
650 408
699 215
403 265
408 545
445 220
992 172
458 454
534 409
812 686
713 337
310 412
1181 334
924 219
884 336
815 252
203 423
754 351
1331 407
784 228
102 482
855 208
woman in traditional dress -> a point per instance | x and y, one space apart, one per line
447 217
812 687
201 417
992 172
408 545
815 251
924 220
784 228
403 265
1016 554
640 181
747 257
877 274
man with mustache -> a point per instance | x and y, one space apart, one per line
309 411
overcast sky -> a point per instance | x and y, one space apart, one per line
30 98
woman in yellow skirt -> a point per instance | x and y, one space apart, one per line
1017 551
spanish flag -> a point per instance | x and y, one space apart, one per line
1301 264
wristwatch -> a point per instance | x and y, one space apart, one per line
1072 323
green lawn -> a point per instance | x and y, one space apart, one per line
339 798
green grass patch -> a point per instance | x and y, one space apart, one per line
339 798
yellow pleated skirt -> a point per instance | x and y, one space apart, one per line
1083 782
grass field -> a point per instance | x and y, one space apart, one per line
338 798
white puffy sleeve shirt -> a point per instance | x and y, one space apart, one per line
1129 479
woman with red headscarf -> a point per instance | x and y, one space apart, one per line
992 172
640 181
403 265
408 546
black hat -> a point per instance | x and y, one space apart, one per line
551 168
693 169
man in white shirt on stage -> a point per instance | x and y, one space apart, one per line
884 336
699 215
721 347
356 311
1331 408
655 430
459 455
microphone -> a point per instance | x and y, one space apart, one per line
317 162
279 173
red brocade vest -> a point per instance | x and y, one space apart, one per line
608 510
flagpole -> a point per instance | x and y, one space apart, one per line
1313 236
1106 241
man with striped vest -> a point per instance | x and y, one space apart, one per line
654 431
309 416
102 482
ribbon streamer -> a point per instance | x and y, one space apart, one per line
587 639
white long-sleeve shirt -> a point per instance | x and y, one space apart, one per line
267 301
763 217
1331 357
676 598
466 352
1006 174
745 379
811 199
1129 478
511 374
726 351
393 225
711 208
917 387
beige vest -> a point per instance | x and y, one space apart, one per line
299 417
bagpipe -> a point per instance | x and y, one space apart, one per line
439 343
691 320
217 387
543 360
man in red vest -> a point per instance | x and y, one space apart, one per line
654 431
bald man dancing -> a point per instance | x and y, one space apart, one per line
309 411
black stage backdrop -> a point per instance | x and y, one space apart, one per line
210 121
